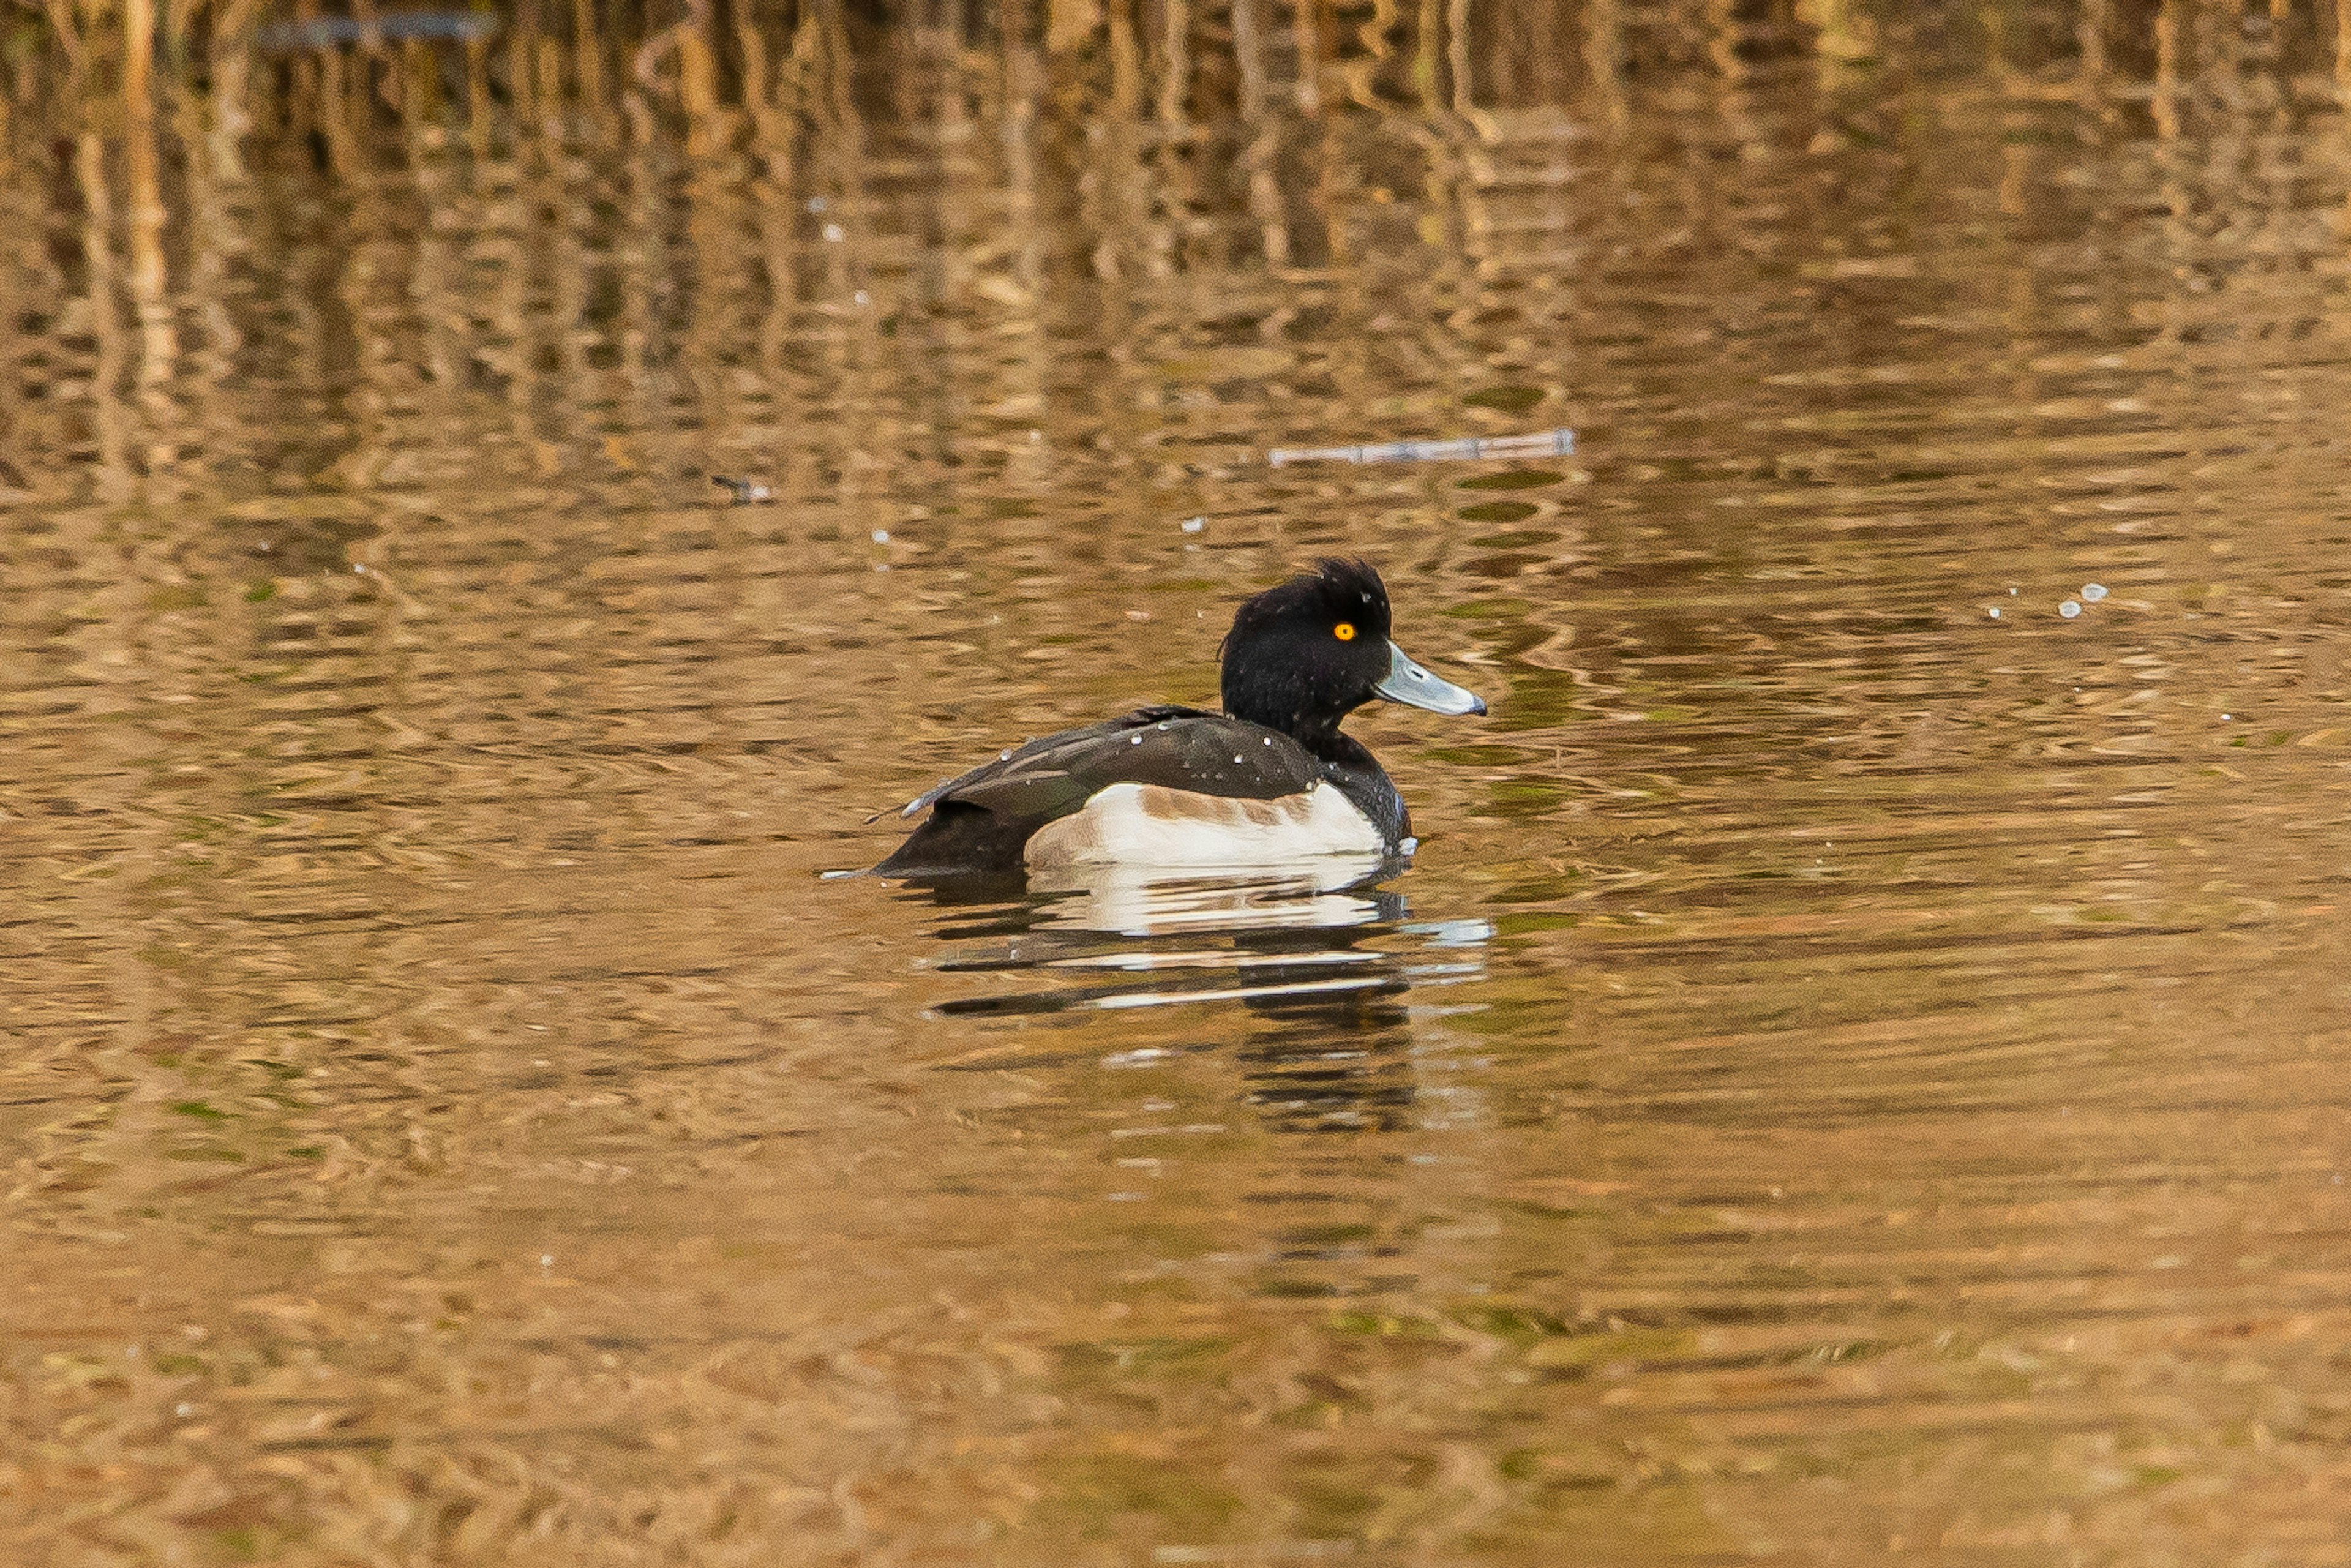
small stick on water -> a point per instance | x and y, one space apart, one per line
747 492
1541 443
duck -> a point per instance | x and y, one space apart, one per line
1271 780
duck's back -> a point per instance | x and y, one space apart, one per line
1171 786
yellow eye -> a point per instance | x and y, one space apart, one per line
1344 630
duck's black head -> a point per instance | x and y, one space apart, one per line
1302 657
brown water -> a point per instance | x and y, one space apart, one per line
1850 1074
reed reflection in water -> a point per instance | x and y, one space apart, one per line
1848 1075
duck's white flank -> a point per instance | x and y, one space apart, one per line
1150 824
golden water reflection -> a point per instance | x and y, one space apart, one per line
1854 1068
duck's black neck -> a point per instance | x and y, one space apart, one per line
1315 730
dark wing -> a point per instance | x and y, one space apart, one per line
1019 759
984 819
1181 747
981 821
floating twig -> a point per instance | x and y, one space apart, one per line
1541 443
745 492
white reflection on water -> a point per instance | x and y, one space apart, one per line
1317 893
1119 937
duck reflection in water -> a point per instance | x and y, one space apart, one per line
1320 956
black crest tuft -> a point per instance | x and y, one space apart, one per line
1355 584
1337 590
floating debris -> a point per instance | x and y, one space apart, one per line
747 492
881 536
1541 443
1194 525
339 32
2094 591
1995 612
2070 609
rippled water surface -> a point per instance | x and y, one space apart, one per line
1856 1069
